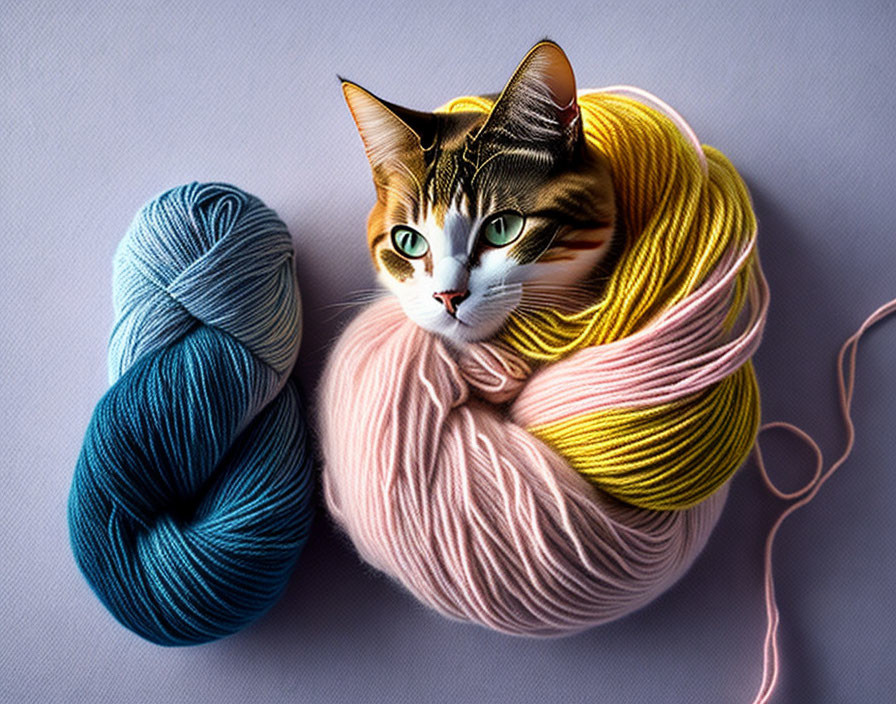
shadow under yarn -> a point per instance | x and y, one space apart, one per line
192 495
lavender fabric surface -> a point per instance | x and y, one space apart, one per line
101 109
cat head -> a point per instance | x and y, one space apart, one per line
480 215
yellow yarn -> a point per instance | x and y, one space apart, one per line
680 220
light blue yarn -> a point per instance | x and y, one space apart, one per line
191 498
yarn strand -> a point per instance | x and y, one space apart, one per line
807 492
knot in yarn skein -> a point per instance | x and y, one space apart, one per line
191 497
568 471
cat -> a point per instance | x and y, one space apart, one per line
483 215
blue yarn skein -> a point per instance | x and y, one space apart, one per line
191 498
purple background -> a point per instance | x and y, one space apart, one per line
100 110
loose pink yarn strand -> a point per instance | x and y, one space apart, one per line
846 383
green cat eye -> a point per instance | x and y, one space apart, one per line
502 229
409 242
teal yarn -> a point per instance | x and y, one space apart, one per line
191 497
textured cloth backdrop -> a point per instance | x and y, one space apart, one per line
102 108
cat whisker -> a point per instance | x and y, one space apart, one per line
356 299
559 288
360 298
351 304
491 293
564 303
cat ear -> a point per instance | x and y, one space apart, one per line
391 134
538 104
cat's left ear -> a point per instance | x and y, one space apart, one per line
538 105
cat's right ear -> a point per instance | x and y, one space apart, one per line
392 135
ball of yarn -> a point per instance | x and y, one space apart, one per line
569 471
191 498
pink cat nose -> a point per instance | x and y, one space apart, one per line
451 299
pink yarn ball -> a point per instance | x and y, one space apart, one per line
437 486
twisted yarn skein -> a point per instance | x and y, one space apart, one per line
569 471
191 497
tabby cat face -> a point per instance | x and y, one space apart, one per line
479 215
